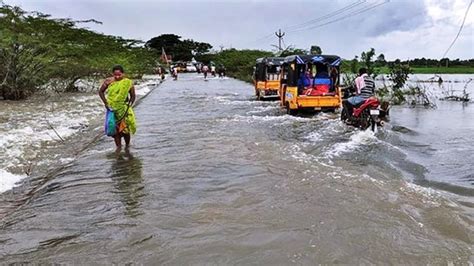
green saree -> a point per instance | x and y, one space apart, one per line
117 97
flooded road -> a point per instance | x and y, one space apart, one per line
214 177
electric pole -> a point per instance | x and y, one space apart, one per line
280 35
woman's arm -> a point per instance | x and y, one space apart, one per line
102 90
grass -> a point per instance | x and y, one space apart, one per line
436 70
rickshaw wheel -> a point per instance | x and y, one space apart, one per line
289 110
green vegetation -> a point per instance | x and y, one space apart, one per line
444 70
239 63
434 70
37 50
178 49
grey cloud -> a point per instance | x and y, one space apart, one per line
396 16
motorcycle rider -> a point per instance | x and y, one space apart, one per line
365 88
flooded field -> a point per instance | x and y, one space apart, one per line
215 177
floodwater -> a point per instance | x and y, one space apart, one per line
215 177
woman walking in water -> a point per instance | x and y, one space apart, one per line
120 98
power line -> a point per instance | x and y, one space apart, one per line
336 12
355 12
460 29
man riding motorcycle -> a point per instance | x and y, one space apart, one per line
365 88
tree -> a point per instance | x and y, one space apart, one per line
355 65
240 63
177 48
293 51
380 62
398 75
316 50
166 41
368 62
36 50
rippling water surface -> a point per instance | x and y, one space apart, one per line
216 177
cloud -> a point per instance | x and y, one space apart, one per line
397 16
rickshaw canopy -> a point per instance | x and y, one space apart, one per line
271 61
331 60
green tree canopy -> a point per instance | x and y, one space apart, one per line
35 49
315 50
177 48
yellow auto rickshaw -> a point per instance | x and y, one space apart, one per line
310 82
267 77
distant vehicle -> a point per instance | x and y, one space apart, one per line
266 77
300 90
190 68
180 66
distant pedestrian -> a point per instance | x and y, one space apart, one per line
175 73
120 98
205 69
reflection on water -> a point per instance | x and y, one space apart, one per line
127 174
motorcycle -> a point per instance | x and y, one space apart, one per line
370 113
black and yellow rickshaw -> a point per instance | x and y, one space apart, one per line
310 82
267 77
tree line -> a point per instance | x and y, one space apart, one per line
36 49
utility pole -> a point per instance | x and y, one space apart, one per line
222 47
280 35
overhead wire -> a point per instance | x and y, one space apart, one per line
336 12
460 29
349 15
322 18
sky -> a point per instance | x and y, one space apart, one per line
403 29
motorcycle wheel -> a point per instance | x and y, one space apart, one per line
344 115
365 120
373 123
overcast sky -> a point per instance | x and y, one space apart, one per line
399 29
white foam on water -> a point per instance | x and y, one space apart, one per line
262 109
360 138
297 154
8 180
231 100
143 91
282 119
314 136
146 86
25 133
426 191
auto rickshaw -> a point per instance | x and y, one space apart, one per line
267 77
310 82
